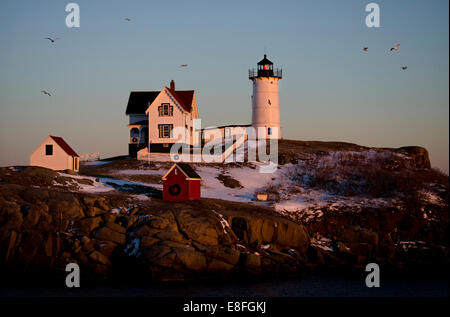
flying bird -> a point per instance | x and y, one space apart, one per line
404 67
45 92
365 49
127 19
184 65
51 40
395 48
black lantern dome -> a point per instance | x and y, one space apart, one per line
265 69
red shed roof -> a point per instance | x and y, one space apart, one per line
187 170
60 141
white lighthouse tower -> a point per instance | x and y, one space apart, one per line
265 102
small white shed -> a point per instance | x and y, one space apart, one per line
56 154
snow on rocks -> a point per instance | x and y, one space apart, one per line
92 185
249 177
225 225
432 198
95 163
322 243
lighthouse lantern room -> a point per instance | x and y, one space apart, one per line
265 101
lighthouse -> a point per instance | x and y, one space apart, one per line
265 102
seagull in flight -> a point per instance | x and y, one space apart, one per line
51 40
395 48
404 67
365 49
45 92
127 19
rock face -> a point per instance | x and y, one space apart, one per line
189 243
419 155
44 229
396 238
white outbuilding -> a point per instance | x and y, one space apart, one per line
56 154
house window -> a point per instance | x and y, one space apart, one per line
165 110
165 130
48 149
269 131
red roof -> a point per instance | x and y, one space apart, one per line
183 97
60 141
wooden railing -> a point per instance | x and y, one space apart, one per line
90 157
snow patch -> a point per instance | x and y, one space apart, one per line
96 187
225 225
322 243
141 172
432 198
95 163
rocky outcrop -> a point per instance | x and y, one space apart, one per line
42 228
293 151
418 155
188 243
46 228
397 238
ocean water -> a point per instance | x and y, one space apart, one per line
310 286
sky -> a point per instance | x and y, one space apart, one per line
331 89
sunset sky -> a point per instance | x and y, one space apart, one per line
331 90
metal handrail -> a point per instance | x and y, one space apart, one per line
253 73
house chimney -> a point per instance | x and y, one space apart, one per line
172 85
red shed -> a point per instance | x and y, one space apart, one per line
181 183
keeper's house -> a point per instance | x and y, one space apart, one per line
154 114
56 154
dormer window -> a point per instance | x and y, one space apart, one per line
165 110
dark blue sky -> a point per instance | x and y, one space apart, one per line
331 89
